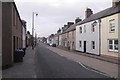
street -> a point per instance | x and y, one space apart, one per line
50 65
45 63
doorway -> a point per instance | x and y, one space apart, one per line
84 46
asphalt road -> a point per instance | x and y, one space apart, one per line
50 65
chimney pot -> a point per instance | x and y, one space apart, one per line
77 20
88 12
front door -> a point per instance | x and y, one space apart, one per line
84 46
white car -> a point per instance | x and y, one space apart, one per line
50 44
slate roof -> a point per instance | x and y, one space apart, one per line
101 14
72 27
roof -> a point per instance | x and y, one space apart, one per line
101 14
72 27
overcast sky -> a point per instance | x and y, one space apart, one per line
53 14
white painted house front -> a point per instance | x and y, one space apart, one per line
87 37
24 34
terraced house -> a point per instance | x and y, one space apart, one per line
109 31
71 35
65 35
98 33
11 32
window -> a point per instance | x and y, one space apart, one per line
112 25
84 29
113 45
80 43
93 44
80 29
93 26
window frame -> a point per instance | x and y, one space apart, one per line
84 28
93 25
113 45
80 44
80 29
93 45
111 22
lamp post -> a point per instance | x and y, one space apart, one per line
34 13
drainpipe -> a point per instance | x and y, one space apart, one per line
99 20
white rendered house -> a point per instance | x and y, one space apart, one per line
87 37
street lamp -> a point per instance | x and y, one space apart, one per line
34 13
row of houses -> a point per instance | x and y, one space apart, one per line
12 34
96 34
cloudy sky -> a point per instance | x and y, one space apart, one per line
53 14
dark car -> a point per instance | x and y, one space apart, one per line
53 45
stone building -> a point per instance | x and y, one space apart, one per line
11 32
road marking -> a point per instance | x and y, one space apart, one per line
94 70
35 76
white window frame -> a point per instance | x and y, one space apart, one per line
84 28
80 44
112 25
92 45
93 25
113 45
80 30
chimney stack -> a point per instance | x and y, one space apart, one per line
70 23
115 3
88 12
77 20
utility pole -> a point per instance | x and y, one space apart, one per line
33 43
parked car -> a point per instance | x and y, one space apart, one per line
53 45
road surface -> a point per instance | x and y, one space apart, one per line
51 65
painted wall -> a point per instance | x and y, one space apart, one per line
0 29
88 37
24 37
7 55
60 40
105 34
0 39
72 39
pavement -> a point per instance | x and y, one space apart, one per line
25 69
112 60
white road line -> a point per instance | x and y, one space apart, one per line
94 70
35 76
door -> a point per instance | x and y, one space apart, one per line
84 46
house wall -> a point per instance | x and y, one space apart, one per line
105 34
7 34
63 37
56 39
12 33
0 36
72 39
88 37
60 40
24 37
